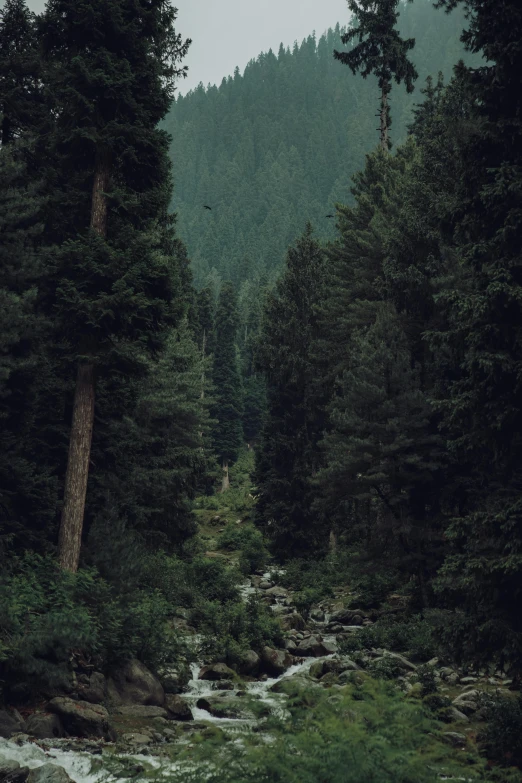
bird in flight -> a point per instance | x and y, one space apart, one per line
329 215
207 207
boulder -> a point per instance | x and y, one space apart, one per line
133 683
134 738
80 718
175 680
456 716
291 646
216 671
403 663
293 621
177 708
317 615
339 665
317 670
265 584
93 690
313 647
277 592
48 773
249 664
288 685
223 707
468 702
10 723
357 678
275 662
347 617
142 711
44 725
12 772
454 738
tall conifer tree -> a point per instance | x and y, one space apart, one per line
110 67
288 455
483 329
380 50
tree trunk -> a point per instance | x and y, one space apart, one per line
77 470
332 543
384 117
225 484
77 475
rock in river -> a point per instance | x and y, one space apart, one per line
177 708
48 773
313 647
275 662
44 725
216 671
10 723
80 718
133 683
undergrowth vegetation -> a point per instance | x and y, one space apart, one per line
45 613
369 733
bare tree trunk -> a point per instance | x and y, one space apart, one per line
225 484
80 439
77 470
384 117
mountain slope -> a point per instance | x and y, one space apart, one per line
278 146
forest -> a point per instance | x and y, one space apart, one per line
260 400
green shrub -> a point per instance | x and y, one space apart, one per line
249 540
414 636
185 582
427 679
230 630
305 599
46 612
350 644
370 734
373 588
386 668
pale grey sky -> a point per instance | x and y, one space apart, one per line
226 33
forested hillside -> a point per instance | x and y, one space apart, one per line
276 147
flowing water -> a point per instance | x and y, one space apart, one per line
83 767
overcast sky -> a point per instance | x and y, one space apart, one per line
226 33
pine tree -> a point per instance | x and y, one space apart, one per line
380 50
226 378
482 330
20 92
288 455
110 68
381 453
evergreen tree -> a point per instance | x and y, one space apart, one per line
380 50
20 92
228 398
381 453
110 68
288 455
482 331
